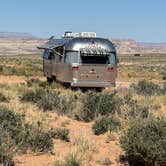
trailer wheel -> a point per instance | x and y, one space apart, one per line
51 80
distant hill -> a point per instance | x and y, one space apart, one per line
129 46
19 46
13 43
16 35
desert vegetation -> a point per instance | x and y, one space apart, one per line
61 127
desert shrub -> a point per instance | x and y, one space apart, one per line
104 124
163 90
60 133
70 160
3 98
12 123
49 100
96 104
59 163
85 145
44 84
30 82
13 70
38 140
53 100
164 76
130 108
16 134
6 148
145 143
163 73
33 95
67 104
146 88
1 69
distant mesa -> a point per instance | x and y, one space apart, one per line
14 43
17 35
129 46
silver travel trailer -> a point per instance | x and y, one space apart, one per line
80 60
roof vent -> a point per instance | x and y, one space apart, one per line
69 34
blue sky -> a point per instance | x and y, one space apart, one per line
143 20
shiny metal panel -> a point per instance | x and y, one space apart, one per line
87 75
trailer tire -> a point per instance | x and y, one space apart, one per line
51 80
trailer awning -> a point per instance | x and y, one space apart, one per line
94 51
51 44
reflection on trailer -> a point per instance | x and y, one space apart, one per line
80 60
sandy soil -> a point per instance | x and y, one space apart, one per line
106 149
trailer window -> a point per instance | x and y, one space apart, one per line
51 56
48 55
94 59
112 59
59 50
72 57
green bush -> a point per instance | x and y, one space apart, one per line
30 82
34 95
52 100
164 77
60 133
145 143
1 69
164 88
70 160
104 124
49 100
164 74
13 123
6 148
44 84
3 98
38 140
16 134
146 88
10 124
132 108
96 104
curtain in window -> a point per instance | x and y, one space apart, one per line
72 57
112 59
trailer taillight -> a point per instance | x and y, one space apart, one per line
75 68
110 68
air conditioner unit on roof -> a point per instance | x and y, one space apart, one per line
71 35
87 34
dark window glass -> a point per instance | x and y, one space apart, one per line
95 59
48 55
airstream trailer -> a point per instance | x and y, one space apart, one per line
80 60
